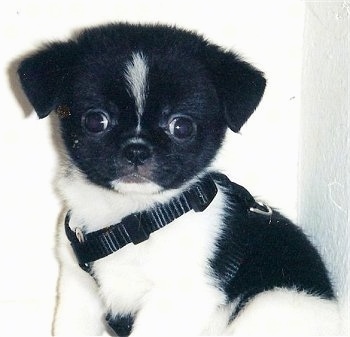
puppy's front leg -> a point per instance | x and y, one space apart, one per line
78 309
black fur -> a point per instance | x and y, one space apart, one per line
46 76
187 75
266 252
121 325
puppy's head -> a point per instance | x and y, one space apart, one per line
141 105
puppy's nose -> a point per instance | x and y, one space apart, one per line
136 154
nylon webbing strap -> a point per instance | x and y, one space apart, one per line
137 227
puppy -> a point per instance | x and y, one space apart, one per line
155 242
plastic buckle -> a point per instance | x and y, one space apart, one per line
134 227
199 200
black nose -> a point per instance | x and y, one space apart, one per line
137 154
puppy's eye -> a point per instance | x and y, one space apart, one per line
95 121
182 128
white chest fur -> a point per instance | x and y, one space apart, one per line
174 259
168 275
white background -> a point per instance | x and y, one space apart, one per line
265 157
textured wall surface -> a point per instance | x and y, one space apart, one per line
324 169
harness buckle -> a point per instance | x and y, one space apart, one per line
135 228
200 199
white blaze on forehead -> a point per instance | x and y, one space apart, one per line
136 78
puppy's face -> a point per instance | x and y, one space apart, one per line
138 121
141 106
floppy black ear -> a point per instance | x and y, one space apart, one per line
43 75
239 85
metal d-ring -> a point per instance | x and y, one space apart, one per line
79 234
268 211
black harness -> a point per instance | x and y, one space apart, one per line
137 227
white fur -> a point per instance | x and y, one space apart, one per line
286 312
79 310
165 279
136 78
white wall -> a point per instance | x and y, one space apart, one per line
324 139
263 158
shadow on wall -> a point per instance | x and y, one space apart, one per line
324 141
16 87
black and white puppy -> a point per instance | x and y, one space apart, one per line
166 246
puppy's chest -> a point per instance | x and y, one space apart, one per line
174 259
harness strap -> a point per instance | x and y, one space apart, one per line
137 227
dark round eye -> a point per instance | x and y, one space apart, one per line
95 121
182 128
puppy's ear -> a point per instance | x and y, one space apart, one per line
239 85
45 74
